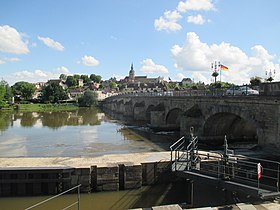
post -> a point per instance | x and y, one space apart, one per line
79 197
225 156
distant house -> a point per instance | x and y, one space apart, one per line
187 82
39 85
76 93
80 83
38 89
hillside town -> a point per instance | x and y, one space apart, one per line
76 85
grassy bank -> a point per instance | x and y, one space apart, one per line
44 107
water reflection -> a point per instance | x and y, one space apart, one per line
85 132
5 120
56 119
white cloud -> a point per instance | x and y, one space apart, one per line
195 5
198 19
51 43
195 57
180 77
150 67
33 75
168 21
11 41
63 70
8 60
89 61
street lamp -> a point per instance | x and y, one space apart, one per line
214 68
270 75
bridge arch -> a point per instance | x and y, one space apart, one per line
173 118
235 127
148 112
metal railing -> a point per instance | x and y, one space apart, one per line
261 174
177 148
56 196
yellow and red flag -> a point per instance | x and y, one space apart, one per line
222 67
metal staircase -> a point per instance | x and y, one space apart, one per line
257 177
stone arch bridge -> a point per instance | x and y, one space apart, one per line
242 118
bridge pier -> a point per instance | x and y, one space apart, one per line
187 122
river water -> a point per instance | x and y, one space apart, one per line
85 132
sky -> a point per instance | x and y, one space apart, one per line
40 39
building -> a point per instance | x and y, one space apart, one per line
133 79
187 82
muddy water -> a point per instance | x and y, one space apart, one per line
144 197
86 132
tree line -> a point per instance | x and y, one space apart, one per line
51 93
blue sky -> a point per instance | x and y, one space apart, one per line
41 39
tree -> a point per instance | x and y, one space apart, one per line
53 93
2 94
95 78
255 81
63 77
71 81
88 99
113 85
85 78
24 90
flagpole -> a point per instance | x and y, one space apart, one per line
220 72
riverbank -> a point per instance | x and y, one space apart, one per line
49 176
45 107
85 162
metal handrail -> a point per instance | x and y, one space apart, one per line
58 195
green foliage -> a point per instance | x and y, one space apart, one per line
85 79
255 81
63 77
76 77
53 93
113 85
46 107
221 85
71 81
2 92
170 85
95 78
88 99
24 90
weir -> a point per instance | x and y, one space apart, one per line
114 174
253 176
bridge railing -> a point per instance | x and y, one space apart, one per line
181 93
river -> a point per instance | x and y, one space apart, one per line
85 132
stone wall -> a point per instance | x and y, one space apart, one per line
49 181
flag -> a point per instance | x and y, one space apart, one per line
222 67
259 171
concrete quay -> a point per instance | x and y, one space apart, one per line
45 176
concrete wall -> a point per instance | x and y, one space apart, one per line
48 181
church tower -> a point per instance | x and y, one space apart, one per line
131 74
